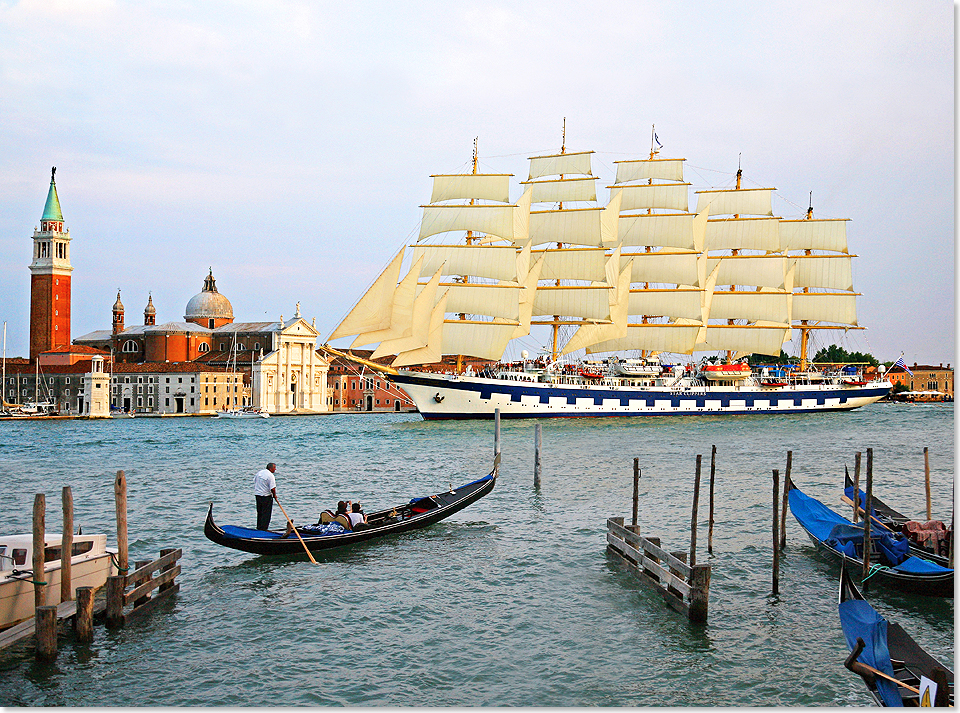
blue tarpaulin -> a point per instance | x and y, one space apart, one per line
859 619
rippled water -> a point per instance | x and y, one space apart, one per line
513 601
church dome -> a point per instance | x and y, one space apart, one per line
209 304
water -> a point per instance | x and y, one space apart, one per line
511 602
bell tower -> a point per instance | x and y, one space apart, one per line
50 278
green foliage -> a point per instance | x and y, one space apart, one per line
899 388
755 359
838 355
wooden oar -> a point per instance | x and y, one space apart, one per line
309 554
852 664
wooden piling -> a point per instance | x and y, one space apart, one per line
636 489
926 480
120 496
693 516
83 622
856 486
115 587
866 520
46 632
699 592
713 472
537 443
39 547
776 535
783 503
66 547
146 597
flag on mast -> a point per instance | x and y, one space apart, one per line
903 365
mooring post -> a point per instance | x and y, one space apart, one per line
866 517
83 621
120 496
39 545
783 503
163 553
537 443
66 547
496 432
46 632
682 556
115 587
713 472
636 489
699 592
856 486
146 597
926 480
776 536
693 516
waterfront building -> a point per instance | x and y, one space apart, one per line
50 294
353 388
96 384
925 378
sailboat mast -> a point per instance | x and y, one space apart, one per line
556 317
804 330
464 278
3 381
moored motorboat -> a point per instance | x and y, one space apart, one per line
882 650
419 512
91 563
249 412
892 563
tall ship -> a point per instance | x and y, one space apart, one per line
641 306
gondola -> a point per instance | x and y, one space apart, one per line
419 512
893 565
877 645
887 517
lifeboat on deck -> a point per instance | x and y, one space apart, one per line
725 372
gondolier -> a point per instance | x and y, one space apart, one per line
265 490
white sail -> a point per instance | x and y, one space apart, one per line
676 337
743 234
521 219
836 308
527 297
832 272
417 332
493 219
685 232
560 164
589 334
568 189
759 338
463 186
756 270
431 352
373 310
670 196
765 306
400 311
502 300
667 169
497 262
485 340
682 303
578 226
747 201
814 234
588 302
664 267
573 264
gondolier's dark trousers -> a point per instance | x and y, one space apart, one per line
264 510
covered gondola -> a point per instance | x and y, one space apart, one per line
419 512
885 516
892 564
881 651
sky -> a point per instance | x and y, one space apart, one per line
288 145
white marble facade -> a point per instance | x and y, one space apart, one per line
293 377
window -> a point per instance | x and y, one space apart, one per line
191 402
167 400
256 346
180 380
130 346
210 324
150 402
139 401
204 348
223 346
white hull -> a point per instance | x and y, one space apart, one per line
17 591
446 396
242 414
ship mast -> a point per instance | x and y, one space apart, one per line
735 252
804 330
465 278
556 317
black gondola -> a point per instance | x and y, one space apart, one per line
894 566
880 648
886 516
413 515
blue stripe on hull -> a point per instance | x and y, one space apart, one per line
617 414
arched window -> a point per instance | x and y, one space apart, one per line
130 346
256 346
204 347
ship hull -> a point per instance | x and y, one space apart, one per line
446 396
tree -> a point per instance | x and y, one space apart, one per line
838 355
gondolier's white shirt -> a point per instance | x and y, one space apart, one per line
264 482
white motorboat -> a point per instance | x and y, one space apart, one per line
249 412
91 563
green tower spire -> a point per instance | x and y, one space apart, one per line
51 211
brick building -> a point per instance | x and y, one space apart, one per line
355 388
925 378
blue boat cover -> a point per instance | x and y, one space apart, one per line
848 491
917 565
859 619
234 531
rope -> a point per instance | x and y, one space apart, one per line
116 563
873 570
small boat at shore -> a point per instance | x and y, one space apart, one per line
892 563
882 649
930 540
418 513
91 563
249 412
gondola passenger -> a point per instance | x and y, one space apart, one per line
358 521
